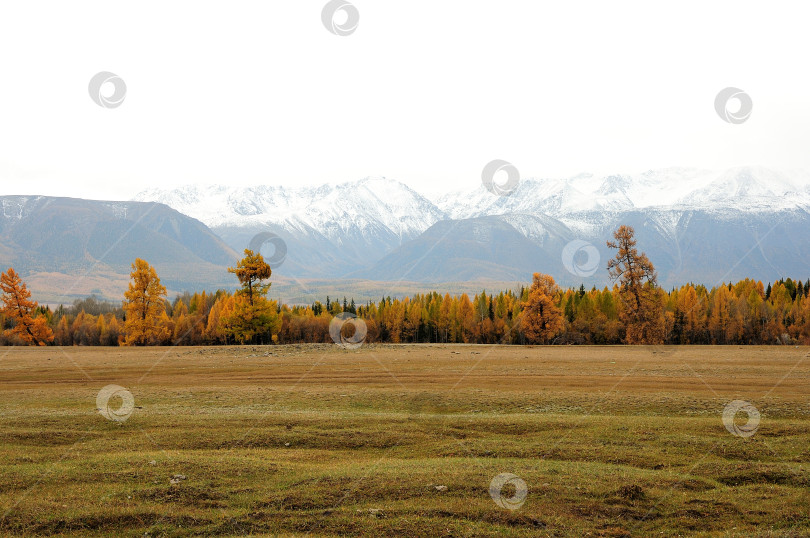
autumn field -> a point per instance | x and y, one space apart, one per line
404 440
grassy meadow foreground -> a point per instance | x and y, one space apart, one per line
404 440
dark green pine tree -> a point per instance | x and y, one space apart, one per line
569 310
790 286
768 291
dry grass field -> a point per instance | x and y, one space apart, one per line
404 441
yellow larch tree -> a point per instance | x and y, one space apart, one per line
144 303
253 317
541 320
18 307
642 309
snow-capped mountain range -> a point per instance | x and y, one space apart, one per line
333 208
364 228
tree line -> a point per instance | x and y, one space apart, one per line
634 310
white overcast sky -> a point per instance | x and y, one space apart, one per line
426 92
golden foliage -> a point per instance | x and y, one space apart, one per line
541 319
249 316
144 304
642 308
17 306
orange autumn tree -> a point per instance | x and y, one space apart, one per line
541 319
250 317
144 305
642 309
18 307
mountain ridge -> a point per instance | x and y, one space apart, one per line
370 220
695 226
83 244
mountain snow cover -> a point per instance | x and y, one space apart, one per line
579 201
697 225
331 209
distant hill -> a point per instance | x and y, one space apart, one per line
71 247
469 249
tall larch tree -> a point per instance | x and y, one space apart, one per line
541 319
18 307
144 303
253 317
251 271
642 307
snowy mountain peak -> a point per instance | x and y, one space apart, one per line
751 188
371 201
